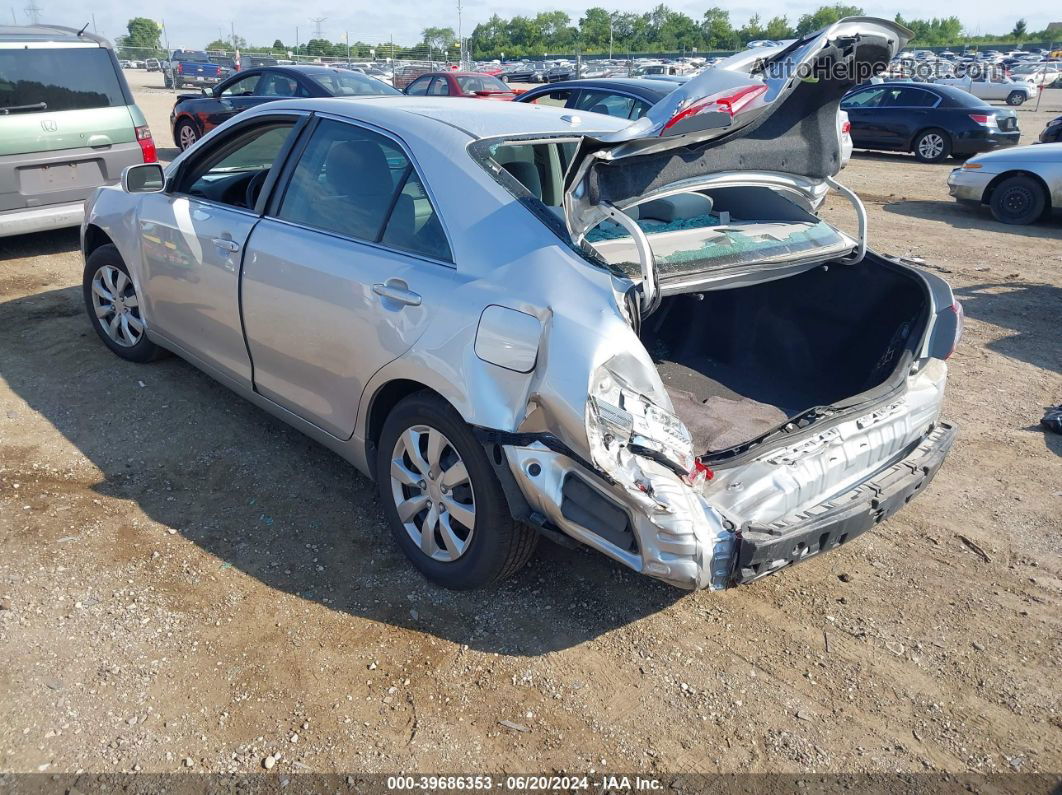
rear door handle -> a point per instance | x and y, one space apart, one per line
397 291
226 244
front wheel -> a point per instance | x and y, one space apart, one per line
1015 98
932 146
113 306
185 135
441 498
1018 200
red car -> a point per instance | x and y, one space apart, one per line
461 84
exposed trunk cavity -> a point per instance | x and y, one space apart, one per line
739 362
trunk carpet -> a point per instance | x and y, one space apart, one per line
717 414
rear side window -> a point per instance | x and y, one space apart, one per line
63 79
361 185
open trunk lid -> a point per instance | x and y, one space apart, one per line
772 111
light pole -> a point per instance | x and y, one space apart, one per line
610 21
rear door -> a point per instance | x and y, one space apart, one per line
343 274
193 237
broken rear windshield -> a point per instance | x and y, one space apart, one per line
687 232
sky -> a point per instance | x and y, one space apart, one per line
262 21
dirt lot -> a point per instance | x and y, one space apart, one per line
185 583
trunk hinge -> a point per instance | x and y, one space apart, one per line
861 214
650 295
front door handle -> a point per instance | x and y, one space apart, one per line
226 244
397 291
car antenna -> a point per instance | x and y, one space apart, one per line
82 31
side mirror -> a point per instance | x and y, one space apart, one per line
206 92
143 178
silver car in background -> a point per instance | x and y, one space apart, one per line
1021 185
524 321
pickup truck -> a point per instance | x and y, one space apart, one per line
191 68
992 86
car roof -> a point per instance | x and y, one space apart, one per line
652 89
27 34
475 119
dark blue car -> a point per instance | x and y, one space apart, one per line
627 98
934 122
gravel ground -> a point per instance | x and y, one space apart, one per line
187 584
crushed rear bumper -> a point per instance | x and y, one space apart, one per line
763 550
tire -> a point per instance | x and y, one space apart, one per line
185 130
1015 98
932 146
106 274
1018 200
477 552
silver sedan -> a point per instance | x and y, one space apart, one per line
1021 185
528 322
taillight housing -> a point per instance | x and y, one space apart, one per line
180 68
147 144
984 119
729 103
846 127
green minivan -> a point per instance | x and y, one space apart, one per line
68 124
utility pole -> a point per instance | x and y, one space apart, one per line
33 11
232 28
296 42
346 38
460 41
610 21
94 30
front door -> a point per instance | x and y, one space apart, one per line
192 242
343 274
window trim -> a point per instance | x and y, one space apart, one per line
299 121
276 198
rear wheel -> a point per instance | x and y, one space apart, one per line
113 306
185 134
932 146
1018 200
442 500
1015 98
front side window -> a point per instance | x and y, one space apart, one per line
233 170
864 99
558 99
360 184
56 79
439 87
419 87
244 87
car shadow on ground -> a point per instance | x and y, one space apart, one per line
963 216
59 241
264 500
1030 310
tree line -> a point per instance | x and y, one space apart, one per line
599 31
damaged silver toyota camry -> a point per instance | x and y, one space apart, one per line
522 321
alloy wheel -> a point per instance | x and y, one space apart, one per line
116 306
433 493
931 146
187 136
